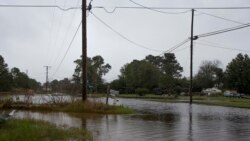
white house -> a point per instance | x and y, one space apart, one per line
211 91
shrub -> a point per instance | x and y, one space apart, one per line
141 91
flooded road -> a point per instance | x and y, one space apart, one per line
158 121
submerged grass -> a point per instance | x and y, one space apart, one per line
95 107
211 100
75 107
32 130
227 102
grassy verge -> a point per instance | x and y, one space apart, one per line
31 130
212 100
147 96
95 107
227 102
74 107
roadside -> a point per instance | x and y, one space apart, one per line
206 100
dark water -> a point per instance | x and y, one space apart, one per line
158 122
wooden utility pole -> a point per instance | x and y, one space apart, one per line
191 58
47 78
84 51
107 96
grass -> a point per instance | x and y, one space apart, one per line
32 130
211 100
73 107
147 96
95 107
228 102
218 100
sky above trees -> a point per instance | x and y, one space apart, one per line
35 37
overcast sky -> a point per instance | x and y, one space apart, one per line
31 38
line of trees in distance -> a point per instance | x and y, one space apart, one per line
15 80
159 74
162 74
153 74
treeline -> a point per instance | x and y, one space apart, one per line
158 74
96 69
15 80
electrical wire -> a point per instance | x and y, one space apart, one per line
162 8
119 7
164 12
51 30
110 12
222 31
181 49
59 28
67 31
216 46
122 36
175 47
218 17
40 6
71 42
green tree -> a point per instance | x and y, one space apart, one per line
209 75
170 70
96 69
238 74
20 79
140 74
5 76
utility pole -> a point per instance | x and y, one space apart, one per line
191 58
84 51
47 77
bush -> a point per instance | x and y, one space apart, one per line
6 103
141 91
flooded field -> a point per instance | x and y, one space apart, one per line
158 121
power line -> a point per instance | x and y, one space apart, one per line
152 9
59 27
222 31
122 36
218 17
175 47
67 31
40 6
118 7
68 48
50 31
134 7
181 49
216 46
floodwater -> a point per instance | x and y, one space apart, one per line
159 122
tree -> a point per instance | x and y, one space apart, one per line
140 74
5 76
96 69
20 79
167 64
209 75
152 72
238 74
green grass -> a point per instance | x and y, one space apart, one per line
217 100
211 100
32 130
228 102
95 107
74 107
147 96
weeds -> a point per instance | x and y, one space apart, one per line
32 130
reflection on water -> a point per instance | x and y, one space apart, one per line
158 121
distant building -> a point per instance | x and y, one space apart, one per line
211 91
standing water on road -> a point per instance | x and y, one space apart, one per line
158 121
